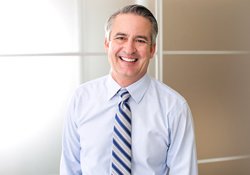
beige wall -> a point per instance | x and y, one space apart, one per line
206 58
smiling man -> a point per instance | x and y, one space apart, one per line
129 47
127 122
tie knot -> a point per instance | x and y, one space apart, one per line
124 94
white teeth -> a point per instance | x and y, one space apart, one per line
128 59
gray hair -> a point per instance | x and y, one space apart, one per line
137 10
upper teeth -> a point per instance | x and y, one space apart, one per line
128 59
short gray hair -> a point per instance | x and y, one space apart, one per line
137 10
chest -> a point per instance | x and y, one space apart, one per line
149 135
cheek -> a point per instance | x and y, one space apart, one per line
113 49
145 54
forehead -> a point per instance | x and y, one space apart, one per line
131 24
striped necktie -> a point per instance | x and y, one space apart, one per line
121 148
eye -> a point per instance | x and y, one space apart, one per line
120 38
141 41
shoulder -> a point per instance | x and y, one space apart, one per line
91 88
166 92
172 103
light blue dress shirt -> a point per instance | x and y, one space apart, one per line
163 141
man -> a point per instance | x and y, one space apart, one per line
150 132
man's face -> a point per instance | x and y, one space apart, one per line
129 48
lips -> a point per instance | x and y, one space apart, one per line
129 59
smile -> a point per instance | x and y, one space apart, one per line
128 59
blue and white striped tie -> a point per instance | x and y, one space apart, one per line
121 149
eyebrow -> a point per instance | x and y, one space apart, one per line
142 37
120 34
138 36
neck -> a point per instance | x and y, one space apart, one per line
125 81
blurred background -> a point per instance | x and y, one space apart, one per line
49 47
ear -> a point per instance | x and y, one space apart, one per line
152 50
106 44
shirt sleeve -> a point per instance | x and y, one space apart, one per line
182 159
70 157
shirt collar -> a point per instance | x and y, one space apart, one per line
139 88
136 90
113 87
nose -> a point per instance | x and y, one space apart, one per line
130 47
